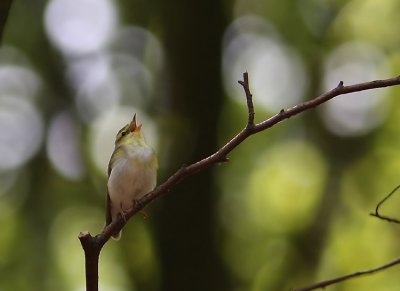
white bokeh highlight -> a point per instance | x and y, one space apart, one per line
22 125
63 146
278 77
357 113
96 87
19 81
22 131
137 61
140 43
135 80
78 27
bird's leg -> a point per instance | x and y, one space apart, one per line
122 213
143 212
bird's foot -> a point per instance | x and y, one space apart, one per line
122 213
143 212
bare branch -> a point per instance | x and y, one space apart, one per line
339 90
329 282
92 253
220 155
93 245
383 217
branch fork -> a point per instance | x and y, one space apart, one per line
378 206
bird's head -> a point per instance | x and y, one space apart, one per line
130 134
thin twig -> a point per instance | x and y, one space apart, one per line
249 98
329 282
383 217
97 242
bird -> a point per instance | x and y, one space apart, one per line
132 172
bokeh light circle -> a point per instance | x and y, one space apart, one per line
140 43
278 76
96 87
357 113
285 189
79 27
22 131
63 146
134 79
67 253
19 81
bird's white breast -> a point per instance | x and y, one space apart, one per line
130 179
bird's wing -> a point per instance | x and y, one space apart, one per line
108 200
108 210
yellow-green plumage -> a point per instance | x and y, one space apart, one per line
132 171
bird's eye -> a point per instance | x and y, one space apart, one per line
123 133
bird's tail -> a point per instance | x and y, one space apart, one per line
115 236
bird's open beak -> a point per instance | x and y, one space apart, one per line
134 127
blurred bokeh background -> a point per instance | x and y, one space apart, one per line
290 208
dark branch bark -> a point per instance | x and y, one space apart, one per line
92 254
249 98
5 6
93 245
329 282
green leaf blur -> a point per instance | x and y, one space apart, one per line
292 205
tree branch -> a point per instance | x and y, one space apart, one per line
329 282
92 254
383 217
94 244
249 98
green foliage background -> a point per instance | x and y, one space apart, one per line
290 208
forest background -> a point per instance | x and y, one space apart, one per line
291 206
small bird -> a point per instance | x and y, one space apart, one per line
132 171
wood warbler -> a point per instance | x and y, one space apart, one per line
132 171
